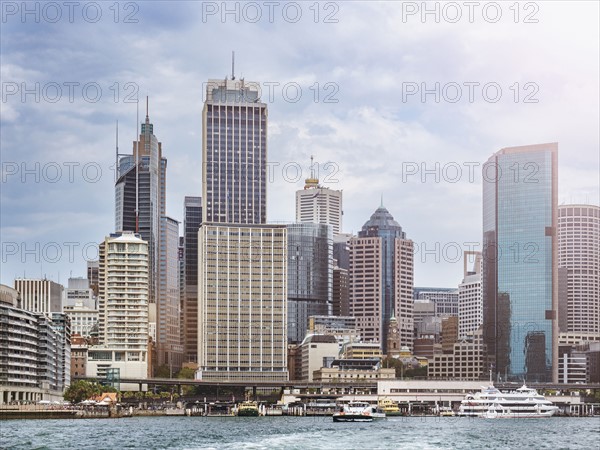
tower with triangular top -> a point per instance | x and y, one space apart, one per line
381 281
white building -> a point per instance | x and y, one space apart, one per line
579 261
123 307
40 295
470 300
319 204
78 290
34 351
83 318
315 350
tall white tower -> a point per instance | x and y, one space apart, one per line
319 204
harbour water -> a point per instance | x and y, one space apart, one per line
301 433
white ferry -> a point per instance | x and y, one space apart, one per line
358 412
490 403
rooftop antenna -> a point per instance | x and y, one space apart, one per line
233 65
312 167
147 108
382 200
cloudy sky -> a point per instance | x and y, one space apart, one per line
380 91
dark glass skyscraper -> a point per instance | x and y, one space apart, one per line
310 264
140 207
520 285
192 219
234 160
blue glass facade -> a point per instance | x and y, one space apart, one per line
310 275
519 251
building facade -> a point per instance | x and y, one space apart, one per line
470 301
192 219
340 302
168 326
381 279
123 308
140 205
579 257
242 309
466 361
310 275
520 282
318 204
40 295
35 352
234 153
444 299
315 351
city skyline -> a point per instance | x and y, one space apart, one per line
373 139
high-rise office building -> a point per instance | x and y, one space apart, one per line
40 295
341 249
192 219
242 303
234 153
579 258
140 205
310 275
140 193
242 262
470 303
340 303
92 276
168 329
520 285
381 279
318 204
123 307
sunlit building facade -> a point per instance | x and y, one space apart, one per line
520 283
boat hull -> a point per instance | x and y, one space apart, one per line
248 413
351 418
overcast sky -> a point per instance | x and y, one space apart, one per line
343 82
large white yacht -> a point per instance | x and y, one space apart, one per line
490 403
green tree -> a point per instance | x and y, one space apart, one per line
186 373
162 372
81 390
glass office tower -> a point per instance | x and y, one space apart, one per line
520 286
310 273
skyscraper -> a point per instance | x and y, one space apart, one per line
470 304
310 273
234 153
168 330
520 286
140 205
242 262
192 219
579 257
318 204
242 314
381 279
